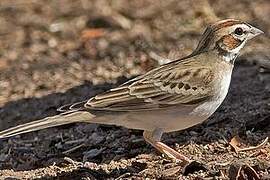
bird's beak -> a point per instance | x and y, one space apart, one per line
254 32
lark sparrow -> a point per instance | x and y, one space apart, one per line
172 97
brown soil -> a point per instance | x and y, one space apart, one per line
58 52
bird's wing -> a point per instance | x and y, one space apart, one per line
171 84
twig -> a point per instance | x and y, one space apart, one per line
73 149
237 149
254 147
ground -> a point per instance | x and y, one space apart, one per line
58 52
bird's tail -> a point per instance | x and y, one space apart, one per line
78 116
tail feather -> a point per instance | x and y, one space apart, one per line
72 107
79 116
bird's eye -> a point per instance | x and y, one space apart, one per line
238 31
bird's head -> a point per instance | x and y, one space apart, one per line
227 36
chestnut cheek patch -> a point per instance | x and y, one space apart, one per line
230 42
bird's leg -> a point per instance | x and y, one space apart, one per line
153 137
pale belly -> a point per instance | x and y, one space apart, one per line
171 119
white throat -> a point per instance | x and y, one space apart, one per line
231 55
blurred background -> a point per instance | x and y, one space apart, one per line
51 46
58 52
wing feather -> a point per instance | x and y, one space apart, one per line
170 84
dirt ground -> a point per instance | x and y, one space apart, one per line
58 52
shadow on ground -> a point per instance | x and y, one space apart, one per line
29 109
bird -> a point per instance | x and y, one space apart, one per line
171 97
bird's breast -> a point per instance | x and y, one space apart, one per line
220 91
